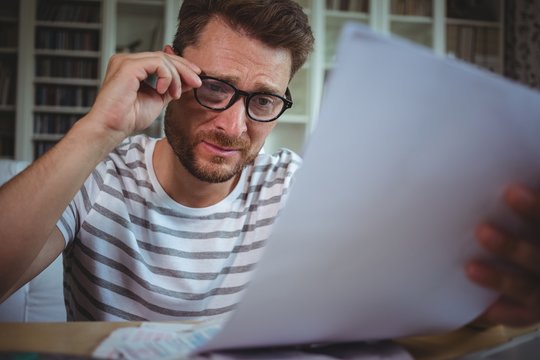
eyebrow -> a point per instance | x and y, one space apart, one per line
259 87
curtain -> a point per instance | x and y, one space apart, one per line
522 41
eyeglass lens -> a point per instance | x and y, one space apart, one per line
218 95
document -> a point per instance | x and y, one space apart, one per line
410 152
157 341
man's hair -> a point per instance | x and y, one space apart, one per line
276 23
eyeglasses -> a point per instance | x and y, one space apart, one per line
217 94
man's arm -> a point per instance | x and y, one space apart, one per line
33 201
50 251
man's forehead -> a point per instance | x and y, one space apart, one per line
259 86
230 54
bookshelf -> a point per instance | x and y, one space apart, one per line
474 33
466 29
9 15
67 53
471 30
63 47
413 20
337 13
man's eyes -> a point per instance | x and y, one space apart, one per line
216 87
265 100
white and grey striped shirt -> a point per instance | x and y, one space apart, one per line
133 253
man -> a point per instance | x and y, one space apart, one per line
171 229
168 229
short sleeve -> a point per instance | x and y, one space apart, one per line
68 222
72 217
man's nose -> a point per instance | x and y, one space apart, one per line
234 119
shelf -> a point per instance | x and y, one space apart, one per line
411 19
8 19
340 14
67 81
294 119
69 25
68 53
62 109
7 108
8 50
304 3
420 33
477 23
141 2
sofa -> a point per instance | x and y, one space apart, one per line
42 299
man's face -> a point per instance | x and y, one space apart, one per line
214 146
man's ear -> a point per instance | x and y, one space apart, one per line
168 50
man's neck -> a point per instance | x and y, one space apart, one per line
181 185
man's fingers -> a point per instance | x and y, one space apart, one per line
513 285
507 312
524 201
173 74
188 72
176 75
192 66
168 80
522 253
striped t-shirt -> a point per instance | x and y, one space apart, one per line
133 253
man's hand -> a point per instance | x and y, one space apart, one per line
519 284
126 103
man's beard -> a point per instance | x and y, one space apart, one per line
183 148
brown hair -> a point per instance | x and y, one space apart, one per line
277 23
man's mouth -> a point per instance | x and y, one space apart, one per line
219 150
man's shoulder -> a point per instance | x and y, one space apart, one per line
128 156
283 163
136 142
281 157
132 149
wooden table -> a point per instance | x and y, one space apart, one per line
75 338
81 338
463 341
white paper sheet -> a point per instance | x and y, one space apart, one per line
410 153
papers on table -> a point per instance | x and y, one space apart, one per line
156 341
168 341
410 153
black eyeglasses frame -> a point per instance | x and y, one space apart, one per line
287 100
